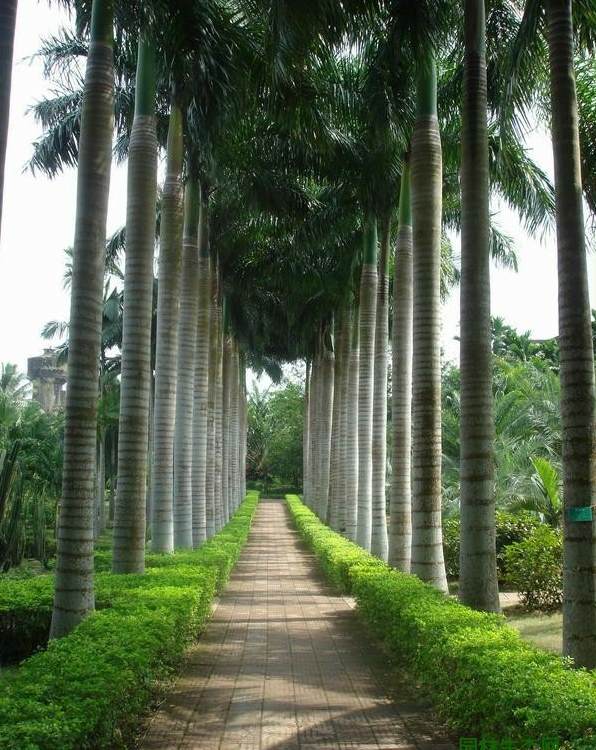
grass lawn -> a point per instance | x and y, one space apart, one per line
544 630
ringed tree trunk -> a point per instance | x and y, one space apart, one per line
74 594
234 462
306 436
478 583
219 510
164 415
8 20
379 542
201 388
212 370
187 336
368 304
577 357
335 471
344 408
225 410
426 180
326 414
351 448
135 384
243 425
315 411
400 514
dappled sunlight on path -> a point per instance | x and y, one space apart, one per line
285 665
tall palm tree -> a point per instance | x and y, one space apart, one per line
162 486
8 20
367 324
400 515
478 584
187 336
74 593
135 389
218 418
578 414
426 184
379 541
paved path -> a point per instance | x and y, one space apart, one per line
285 665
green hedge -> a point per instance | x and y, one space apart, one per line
483 678
88 689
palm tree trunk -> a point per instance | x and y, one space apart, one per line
427 547
234 482
129 519
478 584
306 436
577 357
164 416
315 412
201 396
212 370
335 471
368 303
243 425
226 437
400 516
8 20
351 454
326 414
344 408
187 337
379 542
218 419
74 594
101 483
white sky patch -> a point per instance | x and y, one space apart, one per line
38 223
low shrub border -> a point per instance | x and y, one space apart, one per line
484 679
88 689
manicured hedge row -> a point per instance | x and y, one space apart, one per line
484 680
88 689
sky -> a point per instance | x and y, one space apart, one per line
38 224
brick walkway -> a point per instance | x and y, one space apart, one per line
285 665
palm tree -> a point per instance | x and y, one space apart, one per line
187 334
379 541
162 486
367 324
135 389
426 184
400 515
74 593
8 19
478 584
575 340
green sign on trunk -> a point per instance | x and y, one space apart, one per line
580 514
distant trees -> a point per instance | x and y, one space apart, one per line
275 424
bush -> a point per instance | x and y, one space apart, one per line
510 527
534 567
88 689
483 679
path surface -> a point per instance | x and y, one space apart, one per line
285 665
